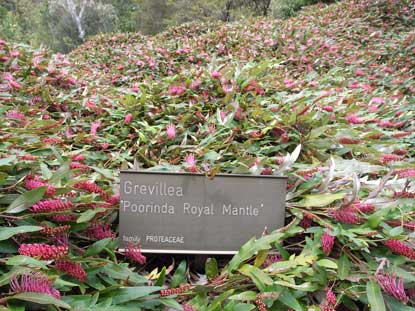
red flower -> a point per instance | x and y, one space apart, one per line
392 286
345 215
100 231
72 268
327 243
51 206
33 182
128 118
43 251
33 283
133 252
401 248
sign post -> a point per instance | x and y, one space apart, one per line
185 213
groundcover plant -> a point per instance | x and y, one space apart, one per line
326 98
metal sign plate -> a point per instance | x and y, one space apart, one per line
193 214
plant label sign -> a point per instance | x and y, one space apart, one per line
193 214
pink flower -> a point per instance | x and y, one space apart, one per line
14 114
51 206
128 118
94 127
100 231
114 199
79 166
90 187
359 72
188 307
171 131
215 74
43 251
64 218
14 53
176 90
327 243
133 252
33 283
392 286
331 297
377 100
33 182
72 268
78 157
387 158
345 215
352 118
191 162
401 248
13 85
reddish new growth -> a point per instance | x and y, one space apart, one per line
43 251
50 206
100 231
392 286
133 252
327 243
33 283
72 268
33 182
260 304
345 215
90 187
401 248
175 291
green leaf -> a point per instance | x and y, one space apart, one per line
327 263
374 295
42 299
179 275
259 277
162 277
344 266
306 287
253 246
97 247
211 268
216 304
171 303
260 258
8 232
320 200
289 300
396 305
62 172
124 294
21 260
244 296
89 214
26 200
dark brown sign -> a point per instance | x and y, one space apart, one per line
191 213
